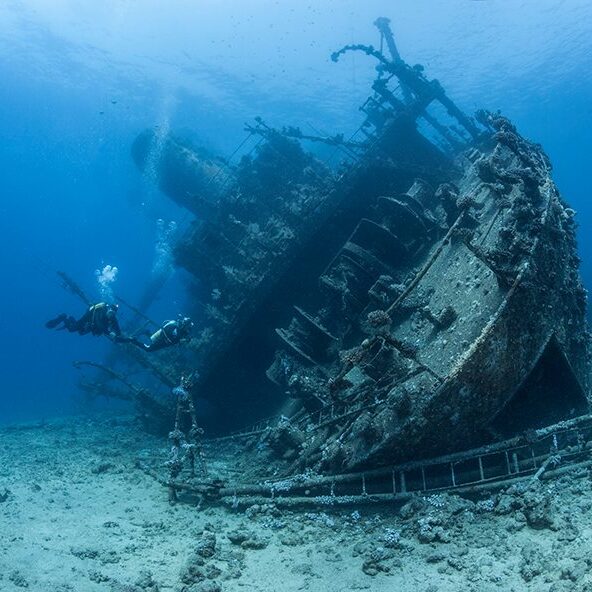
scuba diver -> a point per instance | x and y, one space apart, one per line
99 319
171 333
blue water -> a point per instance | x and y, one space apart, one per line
80 78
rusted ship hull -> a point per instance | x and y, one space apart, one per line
526 362
410 317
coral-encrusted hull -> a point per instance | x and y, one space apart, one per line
422 298
528 365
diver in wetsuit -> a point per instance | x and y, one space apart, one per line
171 333
99 319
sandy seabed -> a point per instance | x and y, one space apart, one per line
77 515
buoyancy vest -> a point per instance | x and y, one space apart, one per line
98 316
169 331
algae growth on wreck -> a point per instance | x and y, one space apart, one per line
295 296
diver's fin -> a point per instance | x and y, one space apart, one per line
55 322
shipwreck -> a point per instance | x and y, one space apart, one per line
421 298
